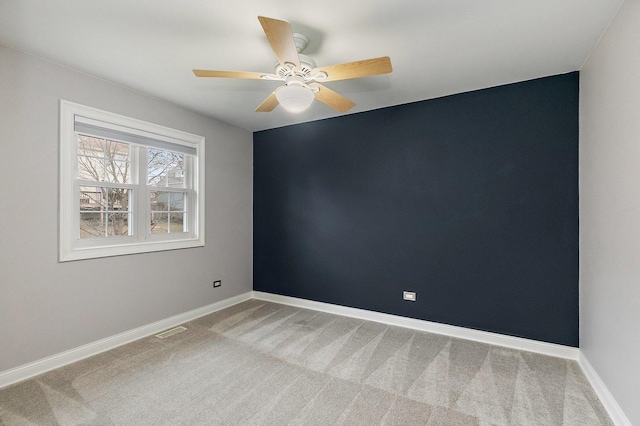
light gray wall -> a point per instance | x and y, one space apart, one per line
610 209
48 307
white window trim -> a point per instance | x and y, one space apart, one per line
71 248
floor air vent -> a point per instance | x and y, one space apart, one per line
171 332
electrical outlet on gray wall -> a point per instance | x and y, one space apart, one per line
217 283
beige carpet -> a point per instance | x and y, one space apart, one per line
260 363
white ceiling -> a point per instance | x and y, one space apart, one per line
437 47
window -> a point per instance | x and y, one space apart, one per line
127 186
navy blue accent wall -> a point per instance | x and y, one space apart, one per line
470 200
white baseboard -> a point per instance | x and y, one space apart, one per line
519 343
26 371
615 412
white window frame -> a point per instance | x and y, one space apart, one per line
71 246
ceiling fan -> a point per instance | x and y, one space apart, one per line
300 74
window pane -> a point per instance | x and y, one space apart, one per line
92 225
118 224
117 171
90 146
103 160
159 223
90 158
159 201
117 151
176 201
164 201
176 221
118 199
117 163
92 198
165 168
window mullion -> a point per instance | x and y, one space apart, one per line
191 204
143 213
106 184
166 188
75 217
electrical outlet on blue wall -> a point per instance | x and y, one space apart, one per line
409 295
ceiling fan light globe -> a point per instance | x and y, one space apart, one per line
295 98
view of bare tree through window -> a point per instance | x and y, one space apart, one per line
104 169
104 207
167 169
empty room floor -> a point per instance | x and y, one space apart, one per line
264 363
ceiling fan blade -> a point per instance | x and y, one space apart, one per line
231 74
333 99
355 69
269 104
280 37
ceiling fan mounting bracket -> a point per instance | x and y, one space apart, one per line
301 41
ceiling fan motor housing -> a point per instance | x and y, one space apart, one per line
307 64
